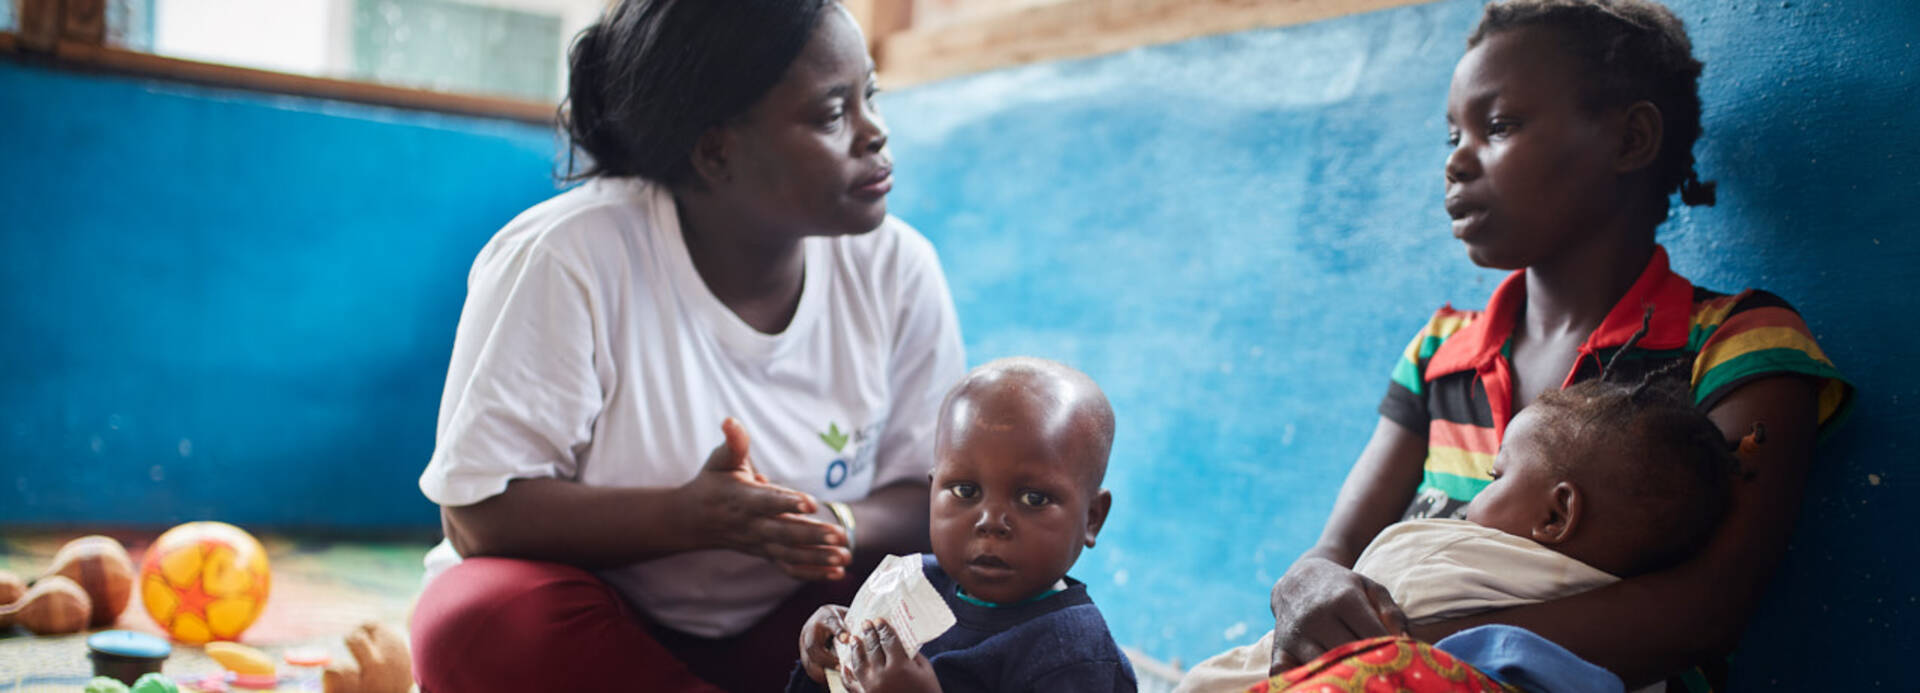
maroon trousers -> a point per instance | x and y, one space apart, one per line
497 624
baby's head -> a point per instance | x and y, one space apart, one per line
1626 478
1020 453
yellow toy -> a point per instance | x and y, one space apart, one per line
204 581
241 659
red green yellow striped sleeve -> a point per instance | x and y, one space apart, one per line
1753 335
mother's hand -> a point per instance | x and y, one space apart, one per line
1320 605
734 507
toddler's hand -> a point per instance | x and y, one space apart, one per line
881 664
817 638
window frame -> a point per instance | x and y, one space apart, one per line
75 40
905 54
913 54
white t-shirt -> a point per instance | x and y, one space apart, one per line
590 350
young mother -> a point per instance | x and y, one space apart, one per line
1572 122
729 259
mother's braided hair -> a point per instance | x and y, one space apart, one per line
1630 50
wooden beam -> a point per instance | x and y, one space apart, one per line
880 19
84 21
1078 28
889 17
38 23
862 11
98 58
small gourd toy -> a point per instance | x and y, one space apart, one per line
88 585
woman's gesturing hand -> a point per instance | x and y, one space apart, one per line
734 507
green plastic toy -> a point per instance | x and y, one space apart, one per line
102 684
154 683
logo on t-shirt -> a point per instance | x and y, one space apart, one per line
852 454
834 438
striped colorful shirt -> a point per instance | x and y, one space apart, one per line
1455 382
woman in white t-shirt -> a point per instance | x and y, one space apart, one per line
729 258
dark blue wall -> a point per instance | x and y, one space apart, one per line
1237 235
221 305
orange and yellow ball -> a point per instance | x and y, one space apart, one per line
205 581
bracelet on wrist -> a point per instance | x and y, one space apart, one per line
844 514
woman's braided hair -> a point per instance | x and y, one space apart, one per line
1629 50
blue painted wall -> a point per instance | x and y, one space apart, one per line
232 306
1237 235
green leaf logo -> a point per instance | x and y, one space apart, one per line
834 438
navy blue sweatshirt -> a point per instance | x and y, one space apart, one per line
1059 643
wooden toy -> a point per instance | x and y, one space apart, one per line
381 663
101 567
52 606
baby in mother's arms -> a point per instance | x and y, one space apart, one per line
1594 483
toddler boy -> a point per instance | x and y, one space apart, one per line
1020 453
